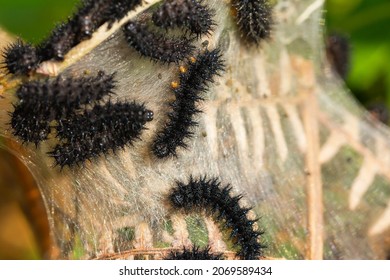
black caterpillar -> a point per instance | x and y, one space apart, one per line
254 18
84 136
192 14
28 126
155 46
20 58
90 16
105 127
60 41
338 53
204 194
194 253
93 13
41 102
193 81
60 97
119 8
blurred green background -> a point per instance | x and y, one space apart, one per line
33 19
366 23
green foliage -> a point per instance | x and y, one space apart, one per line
33 19
366 22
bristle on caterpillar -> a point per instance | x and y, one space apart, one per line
40 102
194 253
188 92
155 46
191 14
207 195
254 18
20 58
111 126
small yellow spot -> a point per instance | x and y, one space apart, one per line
192 59
182 69
174 84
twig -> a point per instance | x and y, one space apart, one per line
54 68
314 181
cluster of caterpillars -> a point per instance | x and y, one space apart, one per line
63 101
88 124
22 58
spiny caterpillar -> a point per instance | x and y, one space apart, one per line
192 14
40 102
28 126
194 80
90 16
206 194
93 13
59 43
60 97
20 58
119 8
106 127
194 253
254 18
157 47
